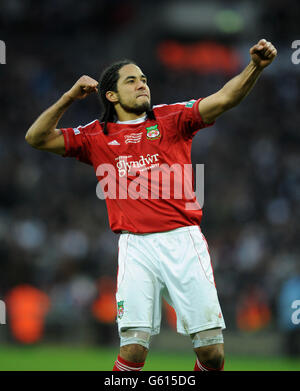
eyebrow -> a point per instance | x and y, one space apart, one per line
134 77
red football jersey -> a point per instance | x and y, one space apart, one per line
143 167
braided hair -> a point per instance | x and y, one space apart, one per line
108 82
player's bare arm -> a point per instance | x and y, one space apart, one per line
43 133
262 54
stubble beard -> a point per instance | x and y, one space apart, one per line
137 109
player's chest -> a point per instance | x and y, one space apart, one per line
134 141
133 148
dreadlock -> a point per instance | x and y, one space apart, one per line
108 82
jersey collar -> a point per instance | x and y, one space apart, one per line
133 121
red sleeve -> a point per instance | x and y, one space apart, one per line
76 144
189 120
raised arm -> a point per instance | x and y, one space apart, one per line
262 54
43 133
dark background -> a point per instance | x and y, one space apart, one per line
54 231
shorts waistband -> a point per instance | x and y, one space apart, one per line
180 229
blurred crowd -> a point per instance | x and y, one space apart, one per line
54 231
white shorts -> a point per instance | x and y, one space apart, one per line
175 265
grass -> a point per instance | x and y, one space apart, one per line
62 358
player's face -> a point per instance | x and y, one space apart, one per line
132 90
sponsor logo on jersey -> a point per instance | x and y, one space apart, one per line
76 131
144 163
120 309
114 142
133 138
153 132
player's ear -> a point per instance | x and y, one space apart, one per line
112 96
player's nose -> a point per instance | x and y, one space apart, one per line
141 85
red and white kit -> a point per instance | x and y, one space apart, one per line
143 145
146 249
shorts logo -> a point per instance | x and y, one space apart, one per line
120 309
153 132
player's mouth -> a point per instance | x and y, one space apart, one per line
143 95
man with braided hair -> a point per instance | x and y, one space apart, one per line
162 251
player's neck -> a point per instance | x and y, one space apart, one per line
127 116
130 117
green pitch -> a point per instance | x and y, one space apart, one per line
56 358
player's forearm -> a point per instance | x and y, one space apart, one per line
240 86
45 124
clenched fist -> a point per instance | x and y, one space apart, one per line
83 87
263 53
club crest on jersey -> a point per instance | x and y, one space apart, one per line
120 309
153 132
